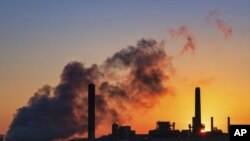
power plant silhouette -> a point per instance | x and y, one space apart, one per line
165 130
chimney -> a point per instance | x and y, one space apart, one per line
91 112
198 105
212 124
197 126
228 124
173 126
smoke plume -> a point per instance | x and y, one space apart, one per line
135 77
213 16
183 32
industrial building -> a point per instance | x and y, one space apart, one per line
165 130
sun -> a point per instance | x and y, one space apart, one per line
203 131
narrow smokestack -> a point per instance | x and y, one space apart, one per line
197 126
198 105
91 112
173 125
212 124
228 124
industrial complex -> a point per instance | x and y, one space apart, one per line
164 131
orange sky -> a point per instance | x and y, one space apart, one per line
33 54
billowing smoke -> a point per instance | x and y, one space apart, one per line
135 77
183 32
55 113
213 16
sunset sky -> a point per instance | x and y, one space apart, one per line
38 38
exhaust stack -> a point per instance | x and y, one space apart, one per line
212 124
91 112
197 126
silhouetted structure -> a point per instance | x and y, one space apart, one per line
164 131
91 112
228 124
214 130
1 137
197 125
212 124
123 133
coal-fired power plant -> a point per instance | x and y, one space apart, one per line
91 112
164 130
197 125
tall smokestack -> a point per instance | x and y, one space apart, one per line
91 112
228 124
198 105
197 126
212 124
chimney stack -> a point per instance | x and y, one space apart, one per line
91 112
212 124
198 105
228 124
197 126
173 125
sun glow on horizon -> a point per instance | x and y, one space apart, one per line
217 60
204 131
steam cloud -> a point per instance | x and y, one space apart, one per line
136 76
220 24
183 32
